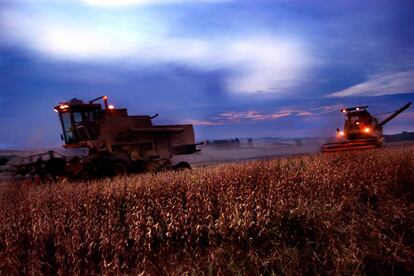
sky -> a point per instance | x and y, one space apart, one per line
232 68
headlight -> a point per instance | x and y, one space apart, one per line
367 130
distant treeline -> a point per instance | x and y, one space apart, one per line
226 143
404 136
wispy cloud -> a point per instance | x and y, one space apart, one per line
382 84
259 62
330 108
305 113
233 117
203 122
250 116
112 3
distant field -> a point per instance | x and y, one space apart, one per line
259 150
345 213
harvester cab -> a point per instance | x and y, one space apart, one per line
359 124
361 130
80 122
116 139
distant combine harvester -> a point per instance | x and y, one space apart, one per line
361 130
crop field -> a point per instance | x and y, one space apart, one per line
344 213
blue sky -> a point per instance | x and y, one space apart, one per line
232 68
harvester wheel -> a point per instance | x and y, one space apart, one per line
119 169
48 178
84 175
182 166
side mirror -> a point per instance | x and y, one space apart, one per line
337 130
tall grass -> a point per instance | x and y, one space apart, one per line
345 213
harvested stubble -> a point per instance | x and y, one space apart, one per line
339 213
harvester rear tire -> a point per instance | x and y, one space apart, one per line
181 166
119 169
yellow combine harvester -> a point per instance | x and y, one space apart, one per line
117 143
